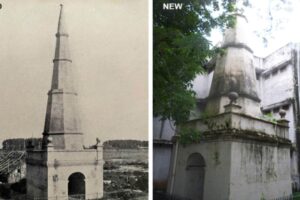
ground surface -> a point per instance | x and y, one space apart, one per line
296 196
126 174
125 177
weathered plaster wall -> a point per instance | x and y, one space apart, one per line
216 174
63 163
277 85
279 56
257 62
58 180
201 85
161 160
162 135
36 181
237 170
259 171
48 172
234 72
163 131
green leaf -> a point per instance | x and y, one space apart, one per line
181 50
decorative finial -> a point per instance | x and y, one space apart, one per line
49 140
282 113
97 141
233 96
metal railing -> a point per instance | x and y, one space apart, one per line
10 161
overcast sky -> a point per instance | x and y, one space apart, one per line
284 28
108 43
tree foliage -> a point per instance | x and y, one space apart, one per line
181 49
125 144
19 144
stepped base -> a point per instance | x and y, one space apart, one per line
57 174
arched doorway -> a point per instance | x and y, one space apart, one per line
195 171
76 186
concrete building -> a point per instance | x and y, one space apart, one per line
63 168
275 83
278 78
163 131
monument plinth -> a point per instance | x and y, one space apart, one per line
241 155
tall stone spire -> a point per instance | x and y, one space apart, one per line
234 72
62 125
63 168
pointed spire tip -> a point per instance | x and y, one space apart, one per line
61 25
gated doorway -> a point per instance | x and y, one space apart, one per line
76 186
195 171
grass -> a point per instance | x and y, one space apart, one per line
296 196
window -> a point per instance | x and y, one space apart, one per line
267 76
285 107
274 73
283 68
275 110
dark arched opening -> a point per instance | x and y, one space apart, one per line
76 186
195 171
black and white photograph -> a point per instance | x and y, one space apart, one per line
74 99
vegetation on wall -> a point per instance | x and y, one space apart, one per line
189 136
269 117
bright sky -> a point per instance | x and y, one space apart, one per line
108 43
286 18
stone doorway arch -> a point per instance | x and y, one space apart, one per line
76 186
195 172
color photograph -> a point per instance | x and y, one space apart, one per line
226 100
